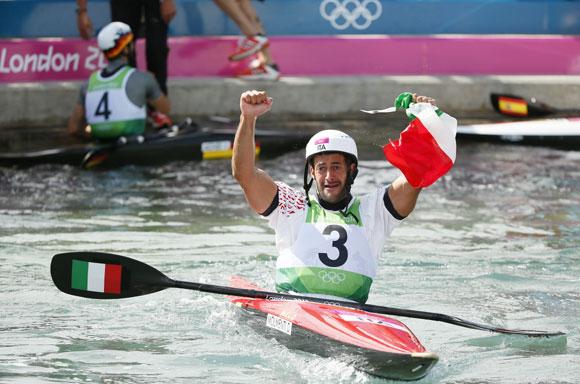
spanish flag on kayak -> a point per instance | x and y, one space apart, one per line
426 149
512 106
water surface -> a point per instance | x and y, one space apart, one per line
496 242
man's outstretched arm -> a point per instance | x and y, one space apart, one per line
402 194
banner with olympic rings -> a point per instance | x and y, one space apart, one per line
42 18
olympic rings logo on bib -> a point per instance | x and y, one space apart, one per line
351 13
331 277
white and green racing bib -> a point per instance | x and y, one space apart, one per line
330 256
108 109
325 252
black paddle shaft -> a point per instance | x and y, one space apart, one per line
364 307
136 279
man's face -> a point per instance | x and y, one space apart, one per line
330 172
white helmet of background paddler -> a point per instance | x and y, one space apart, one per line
331 140
113 39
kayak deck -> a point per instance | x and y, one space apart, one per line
187 144
556 132
373 343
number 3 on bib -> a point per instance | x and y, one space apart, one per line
338 244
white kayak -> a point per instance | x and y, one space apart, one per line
561 132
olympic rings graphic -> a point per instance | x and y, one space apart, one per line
332 277
346 13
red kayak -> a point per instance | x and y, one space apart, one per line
373 343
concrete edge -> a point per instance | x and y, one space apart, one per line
49 104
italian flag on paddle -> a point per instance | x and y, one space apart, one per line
426 149
96 277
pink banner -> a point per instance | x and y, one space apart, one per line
31 60
40 60
389 55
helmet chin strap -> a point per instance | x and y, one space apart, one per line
307 185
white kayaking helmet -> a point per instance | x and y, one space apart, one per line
113 38
331 140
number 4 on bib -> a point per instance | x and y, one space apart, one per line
103 107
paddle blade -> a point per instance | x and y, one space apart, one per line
523 332
99 275
517 106
101 153
93 159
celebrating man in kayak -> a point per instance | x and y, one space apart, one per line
329 242
114 101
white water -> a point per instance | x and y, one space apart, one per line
495 242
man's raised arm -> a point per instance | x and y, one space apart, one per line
258 186
402 194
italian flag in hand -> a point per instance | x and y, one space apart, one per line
426 149
96 277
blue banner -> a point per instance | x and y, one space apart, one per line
57 18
